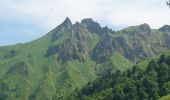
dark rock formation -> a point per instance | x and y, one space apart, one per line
165 28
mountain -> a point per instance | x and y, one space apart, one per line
72 55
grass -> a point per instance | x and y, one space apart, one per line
167 97
117 62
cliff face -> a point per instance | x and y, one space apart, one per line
140 42
135 43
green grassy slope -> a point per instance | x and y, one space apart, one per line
165 97
117 62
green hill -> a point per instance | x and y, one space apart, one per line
71 55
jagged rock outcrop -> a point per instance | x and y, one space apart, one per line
140 42
144 29
92 25
104 49
136 43
75 46
165 28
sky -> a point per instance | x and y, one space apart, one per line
25 20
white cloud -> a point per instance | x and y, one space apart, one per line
155 13
49 13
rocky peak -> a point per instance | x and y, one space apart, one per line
144 28
106 29
87 20
92 26
165 28
67 23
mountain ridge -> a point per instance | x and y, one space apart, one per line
71 55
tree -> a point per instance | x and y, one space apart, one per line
152 66
150 85
168 60
130 90
4 88
141 91
136 71
118 93
162 59
166 88
163 74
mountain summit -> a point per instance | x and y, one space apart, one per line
67 23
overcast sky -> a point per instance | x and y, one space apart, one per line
25 20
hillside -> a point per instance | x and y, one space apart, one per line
71 55
135 84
